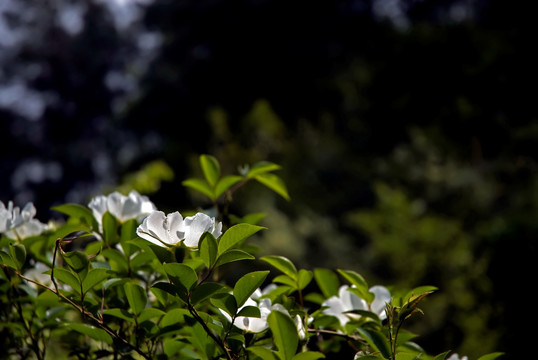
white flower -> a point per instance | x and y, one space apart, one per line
172 229
457 357
123 208
256 325
19 224
338 306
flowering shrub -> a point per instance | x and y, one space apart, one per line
121 279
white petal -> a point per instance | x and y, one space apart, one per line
115 203
382 296
153 229
195 226
98 207
175 227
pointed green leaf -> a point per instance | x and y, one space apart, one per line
208 249
92 331
233 255
286 280
281 263
120 314
274 183
250 311
211 168
67 277
303 278
261 168
327 281
235 235
181 275
110 226
226 302
94 277
199 185
7 260
377 340
247 284
128 232
263 353
136 296
225 183
284 334
76 211
442 356
18 254
150 313
308 355
205 290
78 262
491 356
361 287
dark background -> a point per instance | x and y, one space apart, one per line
406 131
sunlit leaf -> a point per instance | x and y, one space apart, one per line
78 262
327 281
208 249
76 211
247 284
377 340
199 185
211 168
181 275
308 355
261 168
274 183
303 278
94 277
284 334
491 356
281 263
235 235
233 255
18 254
225 183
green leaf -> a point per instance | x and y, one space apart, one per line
150 313
94 277
67 277
116 258
327 281
247 284
18 254
205 290
136 296
110 226
233 255
250 311
128 232
304 277
208 249
211 168
200 185
284 334
261 168
7 260
263 353
225 183
274 183
92 331
491 356
377 340
281 263
166 287
120 314
308 355
361 287
78 262
286 280
181 275
76 211
427 289
235 235
441 356
225 302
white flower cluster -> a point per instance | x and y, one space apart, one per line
338 306
457 357
19 224
158 228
